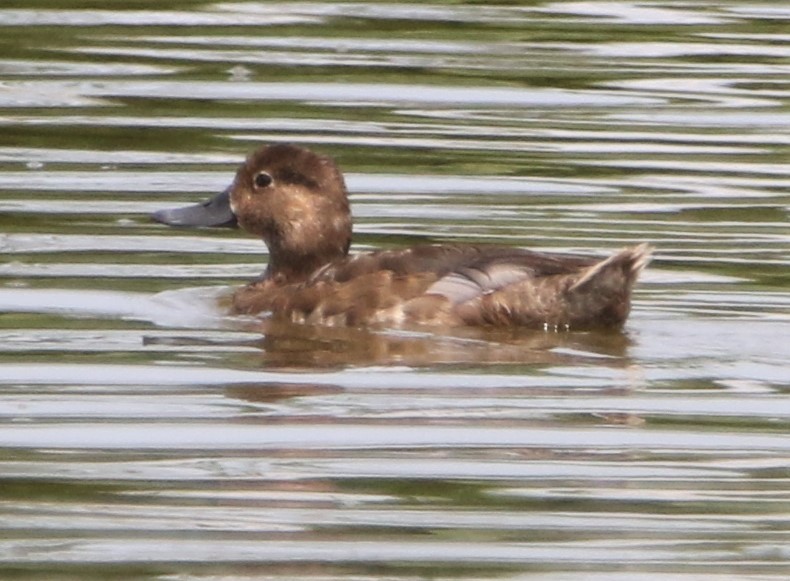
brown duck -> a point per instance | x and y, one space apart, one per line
296 200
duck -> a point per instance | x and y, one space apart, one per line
296 201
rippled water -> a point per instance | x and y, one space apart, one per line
146 434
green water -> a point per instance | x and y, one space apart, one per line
145 434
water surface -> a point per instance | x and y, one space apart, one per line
146 434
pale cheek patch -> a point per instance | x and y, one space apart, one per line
302 219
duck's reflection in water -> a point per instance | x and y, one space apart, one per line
286 345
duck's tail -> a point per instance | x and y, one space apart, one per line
623 267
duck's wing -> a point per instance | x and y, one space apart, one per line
435 284
466 283
497 268
489 267
596 295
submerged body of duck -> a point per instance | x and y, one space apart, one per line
296 201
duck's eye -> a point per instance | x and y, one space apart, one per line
263 180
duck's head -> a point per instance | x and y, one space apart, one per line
292 198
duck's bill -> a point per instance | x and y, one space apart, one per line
213 212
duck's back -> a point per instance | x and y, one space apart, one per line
452 285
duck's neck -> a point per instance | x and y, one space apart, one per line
291 268
292 272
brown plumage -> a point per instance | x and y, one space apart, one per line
296 201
